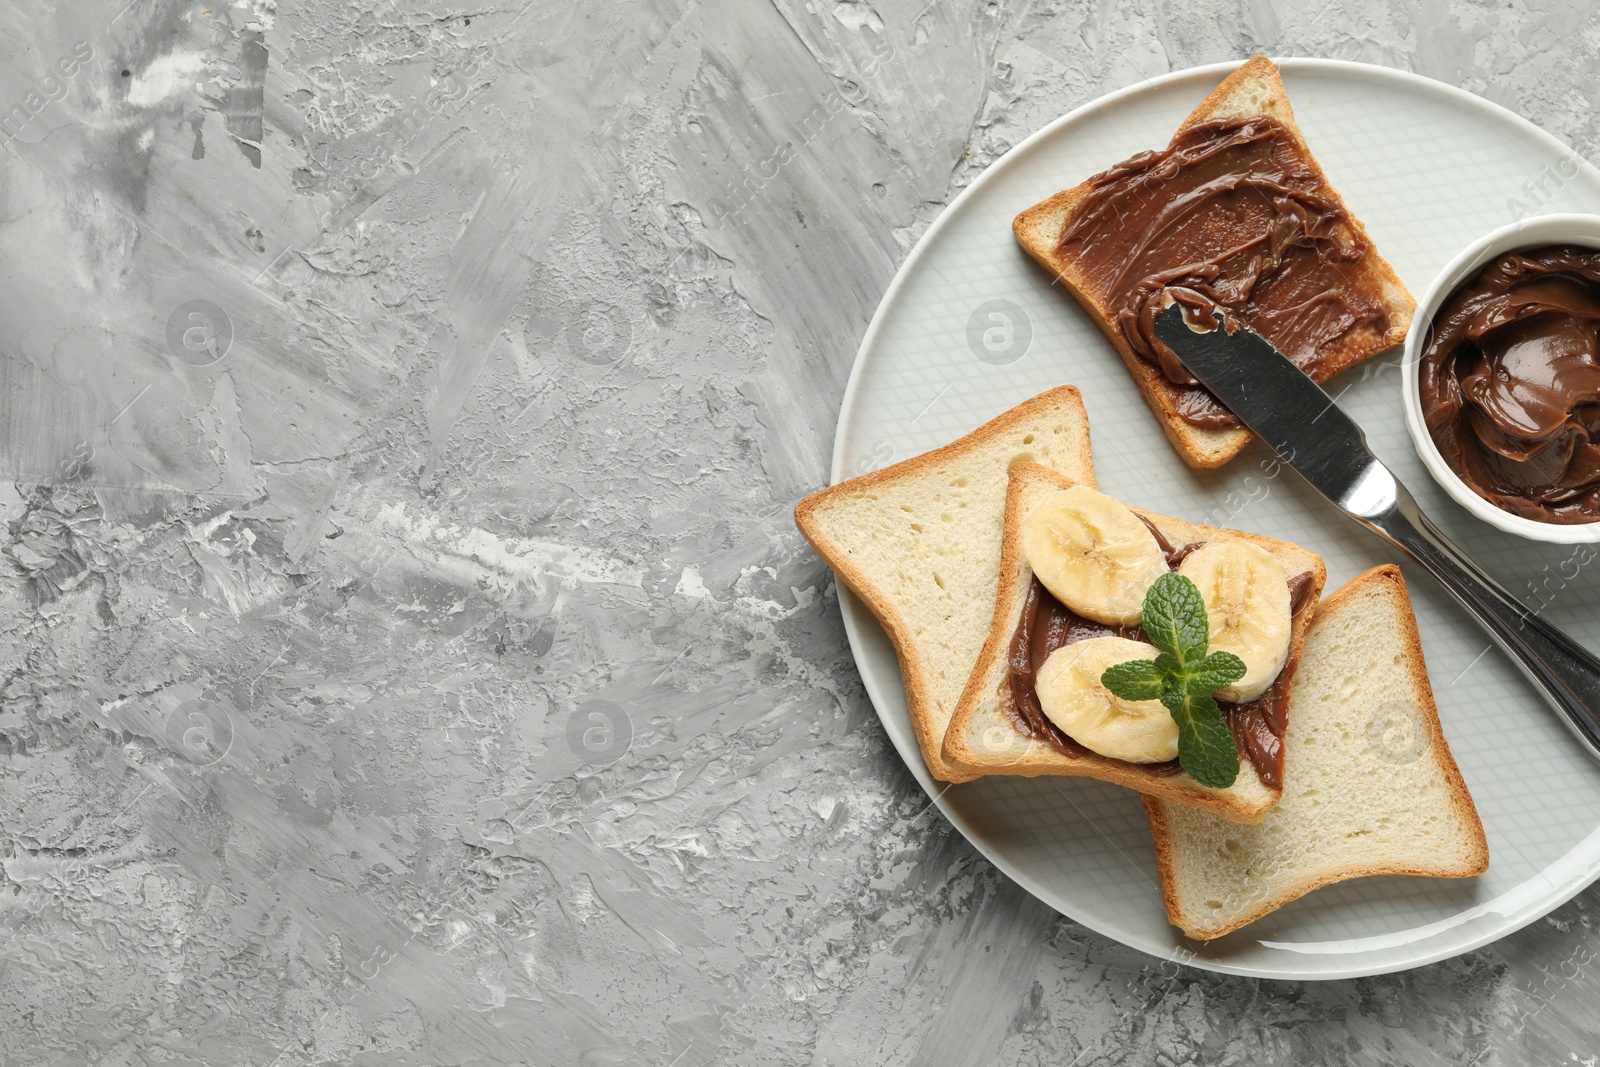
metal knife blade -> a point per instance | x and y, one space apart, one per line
1280 404
1301 423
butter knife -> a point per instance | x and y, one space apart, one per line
1302 424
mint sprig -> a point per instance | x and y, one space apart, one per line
1183 677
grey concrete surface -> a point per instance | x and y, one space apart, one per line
407 654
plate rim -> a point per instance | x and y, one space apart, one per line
855 614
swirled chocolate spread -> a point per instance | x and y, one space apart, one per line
1510 383
1233 214
1047 624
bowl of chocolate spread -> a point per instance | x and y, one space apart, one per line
1502 378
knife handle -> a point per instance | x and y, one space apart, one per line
1566 673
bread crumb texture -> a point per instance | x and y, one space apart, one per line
1368 785
926 542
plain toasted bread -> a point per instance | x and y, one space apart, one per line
981 738
919 543
1370 786
1254 89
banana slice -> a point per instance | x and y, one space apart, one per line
1247 603
1093 554
1139 731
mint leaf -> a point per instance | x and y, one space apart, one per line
1206 748
1183 678
1217 671
1139 679
1175 619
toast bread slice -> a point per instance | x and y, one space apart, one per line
981 738
919 543
1370 786
1254 89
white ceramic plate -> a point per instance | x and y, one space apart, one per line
970 327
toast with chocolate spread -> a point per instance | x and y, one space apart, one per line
997 727
919 543
1371 787
1235 215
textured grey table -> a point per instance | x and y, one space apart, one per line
408 657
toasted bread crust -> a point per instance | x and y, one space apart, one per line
920 700
1245 801
1460 799
1038 230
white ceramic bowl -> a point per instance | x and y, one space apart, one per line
1582 230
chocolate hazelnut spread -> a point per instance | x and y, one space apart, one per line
1047 624
1234 215
1510 383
